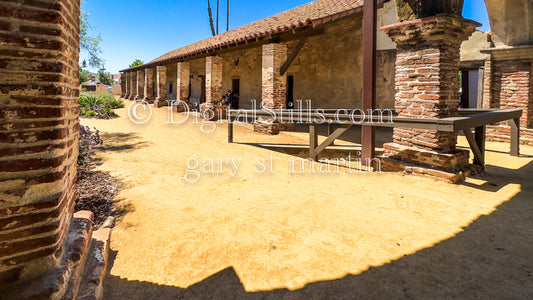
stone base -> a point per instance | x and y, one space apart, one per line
181 108
72 275
160 102
393 165
148 100
211 112
454 161
138 97
266 127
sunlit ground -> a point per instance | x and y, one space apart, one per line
279 234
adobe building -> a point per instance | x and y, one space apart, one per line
310 52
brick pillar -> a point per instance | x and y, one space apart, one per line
274 84
487 84
183 81
511 86
274 87
133 85
125 80
140 85
161 85
427 86
213 79
39 132
148 84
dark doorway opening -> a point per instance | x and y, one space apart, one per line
236 90
290 92
202 93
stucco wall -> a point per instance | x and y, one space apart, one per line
328 70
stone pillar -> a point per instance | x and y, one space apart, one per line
274 84
149 85
427 86
511 86
182 85
487 84
213 79
125 79
133 85
140 85
42 242
161 86
274 87
183 81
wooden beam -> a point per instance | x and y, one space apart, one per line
292 56
331 138
368 133
478 156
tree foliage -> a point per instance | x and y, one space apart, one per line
85 75
89 43
136 63
105 78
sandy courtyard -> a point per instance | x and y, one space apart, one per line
305 236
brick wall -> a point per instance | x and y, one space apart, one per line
39 132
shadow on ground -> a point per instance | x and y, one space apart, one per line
491 258
121 142
118 142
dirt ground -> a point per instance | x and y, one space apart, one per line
306 235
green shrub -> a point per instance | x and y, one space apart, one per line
100 105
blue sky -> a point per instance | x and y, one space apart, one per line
142 29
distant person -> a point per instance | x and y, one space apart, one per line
230 98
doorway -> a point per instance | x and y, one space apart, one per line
236 90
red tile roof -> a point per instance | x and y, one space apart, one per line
309 15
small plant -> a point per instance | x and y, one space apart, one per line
99 105
88 140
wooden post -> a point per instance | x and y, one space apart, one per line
368 134
230 130
480 133
330 132
313 141
515 136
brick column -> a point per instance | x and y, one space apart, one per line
140 85
213 79
149 85
427 86
122 86
511 86
183 81
39 131
161 85
487 84
126 80
274 87
133 85
274 84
